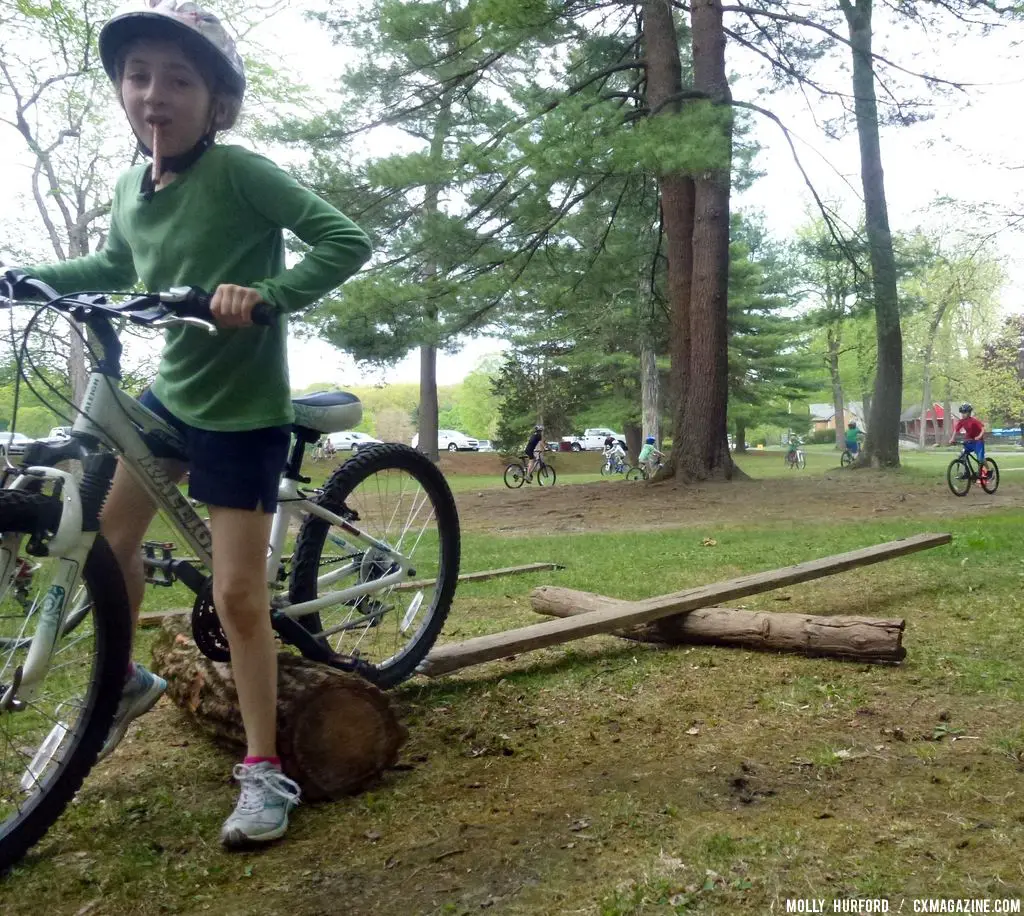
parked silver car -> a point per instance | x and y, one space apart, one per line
350 439
14 443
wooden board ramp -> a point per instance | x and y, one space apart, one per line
452 657
485 574
156 618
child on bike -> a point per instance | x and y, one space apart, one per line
974 435
211 215
614 453
852 438
791 451
534 449
649 456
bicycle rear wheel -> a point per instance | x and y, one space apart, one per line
48 747
958 476
546 475
397 496
990 480
515 474
636 473
847 458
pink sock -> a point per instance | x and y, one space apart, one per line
273 761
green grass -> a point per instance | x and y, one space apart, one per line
612 777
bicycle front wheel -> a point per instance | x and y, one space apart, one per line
801 461
397 496
958 476
48 746
990 477
546 475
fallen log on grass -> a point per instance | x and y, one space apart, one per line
861 638
336 732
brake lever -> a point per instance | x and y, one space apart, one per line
175 320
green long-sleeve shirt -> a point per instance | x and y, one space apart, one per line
221 221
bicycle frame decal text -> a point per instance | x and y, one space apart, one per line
50 611
177 503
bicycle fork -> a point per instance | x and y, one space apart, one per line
72 545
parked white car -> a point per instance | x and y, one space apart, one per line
451 440
57 436
14 443
593 438
484 445
351 440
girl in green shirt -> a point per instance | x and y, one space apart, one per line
212 216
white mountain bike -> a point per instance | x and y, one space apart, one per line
366 588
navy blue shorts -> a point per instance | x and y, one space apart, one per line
236 470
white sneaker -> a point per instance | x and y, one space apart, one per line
261 814
141 691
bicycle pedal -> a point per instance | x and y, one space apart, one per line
152 563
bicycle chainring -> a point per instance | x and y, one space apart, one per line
206 627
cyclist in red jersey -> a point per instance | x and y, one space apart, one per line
974 433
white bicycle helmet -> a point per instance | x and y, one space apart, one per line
201 33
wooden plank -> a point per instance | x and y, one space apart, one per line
444 659
156 618
484 574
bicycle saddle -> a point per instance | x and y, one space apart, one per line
327 412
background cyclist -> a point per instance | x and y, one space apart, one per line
650 457
974 434
534 448
853 438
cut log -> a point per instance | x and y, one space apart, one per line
860 638
452 656
336 732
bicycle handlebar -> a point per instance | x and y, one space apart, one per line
178 305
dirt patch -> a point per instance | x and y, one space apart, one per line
840 496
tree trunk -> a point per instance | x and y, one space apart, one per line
428 402
834 335
336 732
703 452
862 638
634 440
649 388
929 353
882 445
741 436
926 397
428 350
677 191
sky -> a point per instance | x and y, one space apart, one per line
969 151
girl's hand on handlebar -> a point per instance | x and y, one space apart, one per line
232 305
